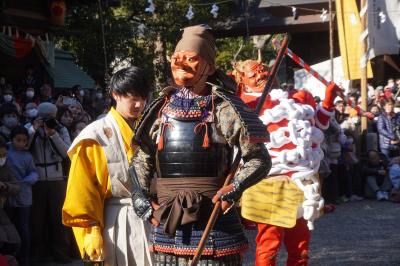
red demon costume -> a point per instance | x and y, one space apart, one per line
285 204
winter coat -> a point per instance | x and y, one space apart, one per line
49 152
386 134
8 233
23 167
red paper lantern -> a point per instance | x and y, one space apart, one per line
58 10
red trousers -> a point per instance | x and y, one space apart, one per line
269 240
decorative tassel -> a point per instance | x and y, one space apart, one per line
206 141
160 139
160 144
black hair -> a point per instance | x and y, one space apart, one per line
374 105
76 87
8 108
75 124
3 143
340 102
65 93
19 130
130 80
387 101
61 111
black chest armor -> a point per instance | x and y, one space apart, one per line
183 154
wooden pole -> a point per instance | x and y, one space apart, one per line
331 37
363 70
274 71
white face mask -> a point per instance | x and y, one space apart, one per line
3 161
30 94
8 97
99 95
10 122
31 113
82 92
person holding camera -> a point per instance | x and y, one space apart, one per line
387 123
49 142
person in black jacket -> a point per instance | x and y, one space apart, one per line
376 173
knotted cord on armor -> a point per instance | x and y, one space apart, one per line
185 104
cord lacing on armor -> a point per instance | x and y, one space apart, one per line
203 123
160 140
160 144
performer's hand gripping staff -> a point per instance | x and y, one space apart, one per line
331 92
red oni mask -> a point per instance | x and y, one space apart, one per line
254 75
188 68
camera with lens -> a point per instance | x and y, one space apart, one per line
51 123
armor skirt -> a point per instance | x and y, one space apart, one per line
162 259
226 240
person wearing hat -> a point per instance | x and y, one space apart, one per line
98 200
49 142
187 138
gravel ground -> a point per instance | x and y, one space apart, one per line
361 233
364 233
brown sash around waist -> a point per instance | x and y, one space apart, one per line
180 200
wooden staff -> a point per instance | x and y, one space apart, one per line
236 161
274 71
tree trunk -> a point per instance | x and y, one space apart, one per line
160 63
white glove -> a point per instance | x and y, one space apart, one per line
313 204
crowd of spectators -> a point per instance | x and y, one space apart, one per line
37 126
360 165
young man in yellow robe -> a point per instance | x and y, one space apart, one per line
98 198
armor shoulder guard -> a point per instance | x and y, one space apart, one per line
150 110
254 128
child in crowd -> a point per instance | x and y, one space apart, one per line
9 119
378 183
30 114
9 239
23 167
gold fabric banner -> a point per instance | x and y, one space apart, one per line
349 30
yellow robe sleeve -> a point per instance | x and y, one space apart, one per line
88 187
